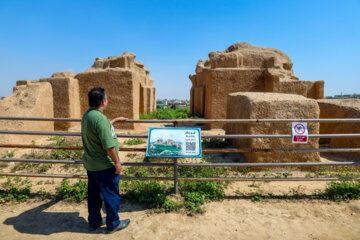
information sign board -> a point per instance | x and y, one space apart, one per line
174 142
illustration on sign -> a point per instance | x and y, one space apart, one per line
299 133
174 142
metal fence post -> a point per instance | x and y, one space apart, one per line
176 187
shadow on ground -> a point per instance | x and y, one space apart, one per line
39 221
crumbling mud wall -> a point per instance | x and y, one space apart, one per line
66 98
30 100
129 88
147 89
244 68
127 83
250 105
341 108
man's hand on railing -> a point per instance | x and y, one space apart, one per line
118 119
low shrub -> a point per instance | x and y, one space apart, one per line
75 192
179 113
18 191
214 143
342 190
134 141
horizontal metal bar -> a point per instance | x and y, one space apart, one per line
268 164
41 119
81 176
144 164
40 146
40 161
354 135
237 150
66 134
267 179
204 150
184 178
294 164
42 133
191 120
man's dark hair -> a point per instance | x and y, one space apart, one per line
96 95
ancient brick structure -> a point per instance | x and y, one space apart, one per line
127 83
65 97
31 100
129 88
341 108
250 105
244 68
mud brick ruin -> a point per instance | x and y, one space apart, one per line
32 100
242 82
129 88
244 68
341 108
251 105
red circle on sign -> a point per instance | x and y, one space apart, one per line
299 128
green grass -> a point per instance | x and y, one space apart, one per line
15 190
342 190
55 154
134 141
214 143
179 113
76 192
155 194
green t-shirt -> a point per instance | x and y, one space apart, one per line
97 135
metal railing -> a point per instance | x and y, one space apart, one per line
175 163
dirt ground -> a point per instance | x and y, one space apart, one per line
236 217
233 218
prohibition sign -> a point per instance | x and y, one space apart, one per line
299 128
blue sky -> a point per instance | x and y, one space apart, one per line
38 38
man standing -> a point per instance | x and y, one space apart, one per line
101 160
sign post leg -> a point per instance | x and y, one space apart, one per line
176 188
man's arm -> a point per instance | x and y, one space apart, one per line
118 119
115 158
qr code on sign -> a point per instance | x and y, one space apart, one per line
190 146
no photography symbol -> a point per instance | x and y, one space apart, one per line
299 128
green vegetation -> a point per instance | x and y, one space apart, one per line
342 190
134 141
9 154
31 167
155 194
15 190
324 171
54 154
75 192
179 113
214 143
61 154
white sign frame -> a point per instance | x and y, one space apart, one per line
182 142
300 133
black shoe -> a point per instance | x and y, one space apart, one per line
94 227
123 224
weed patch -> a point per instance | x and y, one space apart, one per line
179 113
342 190
14 190
75 192
214 143
134 141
